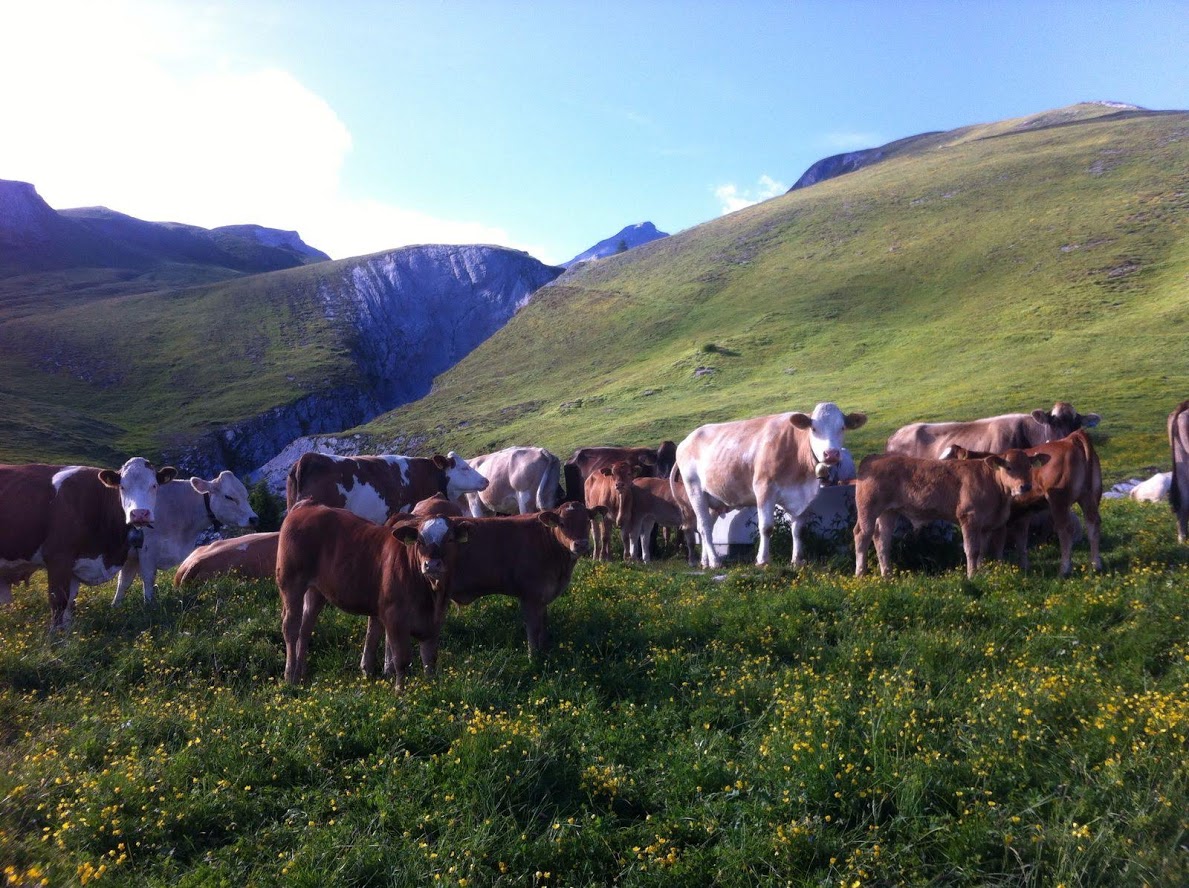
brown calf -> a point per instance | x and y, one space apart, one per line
397 576
975 494
643 503
602 502
253 555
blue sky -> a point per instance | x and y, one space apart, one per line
545 126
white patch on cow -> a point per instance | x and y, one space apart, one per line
34 560
434 531
401 462
827 430
138 488
62 474
462 478
242 547
364 501
93 572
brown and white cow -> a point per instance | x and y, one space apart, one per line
1178 492
376 487
75 521
398 577
528 557
184 510
252 556
1071 474
994 434
975 494
763 462
643 503
520 480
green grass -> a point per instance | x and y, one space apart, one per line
765 728
989 270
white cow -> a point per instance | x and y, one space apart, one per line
184 510
520 480
763 462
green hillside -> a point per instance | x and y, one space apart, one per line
995 268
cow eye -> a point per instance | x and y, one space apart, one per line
228 496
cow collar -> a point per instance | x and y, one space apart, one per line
215 522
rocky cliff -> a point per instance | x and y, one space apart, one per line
631 236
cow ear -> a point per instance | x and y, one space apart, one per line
109 478
854 420
605 470
995 460
549 519
1042 417
1089 420
462 531
800 420
440 461
406 533
1040 459
165 474
646 459
201 485
955 451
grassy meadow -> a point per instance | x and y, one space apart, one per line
750 727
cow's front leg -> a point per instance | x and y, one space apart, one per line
124 583
766 518
367 663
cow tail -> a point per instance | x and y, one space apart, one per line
674 479
548 485
1175 494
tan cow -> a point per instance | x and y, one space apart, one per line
975 494
1178 492
1072 474
77 522
995 434
375 487
602 502
398 577
520 480
764 462
643 503
252 556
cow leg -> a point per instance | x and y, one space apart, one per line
535 626
1093 530
885 525
428 649
127 576
972 543
1018 531
58 582
765 514
862 543
290 628
701 506
5 593
311 607
367 663
524 501
402 653
688 533
797 525
644 535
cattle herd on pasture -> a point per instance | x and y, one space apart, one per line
396 538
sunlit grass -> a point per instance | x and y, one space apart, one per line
751 727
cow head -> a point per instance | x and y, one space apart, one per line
826 428
666 456
228 500
1015 469
433 545
570 523
622 473
137 481
460 476
1063 420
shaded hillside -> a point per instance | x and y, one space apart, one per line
226 374
1016 266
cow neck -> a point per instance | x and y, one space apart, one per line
215 522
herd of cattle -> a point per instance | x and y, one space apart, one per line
396 538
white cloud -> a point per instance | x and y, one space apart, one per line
116 109
732 198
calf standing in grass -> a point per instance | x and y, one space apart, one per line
643 503
975 494
398 577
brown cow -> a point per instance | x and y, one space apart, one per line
375 487
974 494
77 522
397 577
1178 492
995 434
588 460
602 501
253 555
1072 474
643 503
528 557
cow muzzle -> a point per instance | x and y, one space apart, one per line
140 517
580 547
434 572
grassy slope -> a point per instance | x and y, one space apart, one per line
998 268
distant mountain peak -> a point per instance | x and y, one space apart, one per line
628 237
23 212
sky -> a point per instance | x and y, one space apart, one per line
544 126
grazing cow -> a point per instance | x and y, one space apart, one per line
643 503
253 556
398 577
520 480
529 557
76 522
588 460
184 510
1070 474
375 487
1178 492
995 434
602 502
975 494
764 462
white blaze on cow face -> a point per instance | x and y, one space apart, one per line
461 478
229 499
137 482
827 427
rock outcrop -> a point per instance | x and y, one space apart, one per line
632 236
